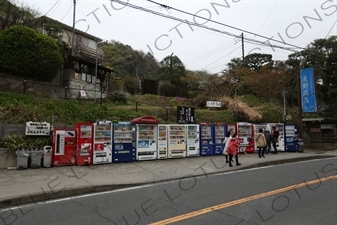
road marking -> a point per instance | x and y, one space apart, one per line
239 201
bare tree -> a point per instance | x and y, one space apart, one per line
14 13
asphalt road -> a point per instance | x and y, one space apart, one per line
296 193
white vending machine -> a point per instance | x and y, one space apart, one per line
162 141
193 142
280 145
176 141
146 130
102 141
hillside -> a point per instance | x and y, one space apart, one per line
18 109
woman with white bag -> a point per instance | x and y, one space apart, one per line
226 141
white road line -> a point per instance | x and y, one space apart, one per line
150 185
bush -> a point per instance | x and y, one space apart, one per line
118 97
168 90
12 142
27 53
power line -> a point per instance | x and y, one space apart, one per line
221 57
52 7
209 53
330 29
245 31
205 27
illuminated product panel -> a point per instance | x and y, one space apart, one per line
123 143
193 143
102 152
176 141
246 137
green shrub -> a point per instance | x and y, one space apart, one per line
168 90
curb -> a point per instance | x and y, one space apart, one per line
45 196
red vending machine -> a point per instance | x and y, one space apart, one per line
64 147
84 132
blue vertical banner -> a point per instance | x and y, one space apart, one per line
308 91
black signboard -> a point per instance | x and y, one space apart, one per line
185 115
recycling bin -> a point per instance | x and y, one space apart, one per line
300 144
36 155
47 156
22 158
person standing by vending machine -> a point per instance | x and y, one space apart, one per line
261 142
233 148
274 134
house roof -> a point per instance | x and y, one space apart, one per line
70 28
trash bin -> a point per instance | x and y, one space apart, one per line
47 156
300 145
22 158
36 155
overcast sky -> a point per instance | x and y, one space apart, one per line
209 47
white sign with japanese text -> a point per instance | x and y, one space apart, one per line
213 104
37 128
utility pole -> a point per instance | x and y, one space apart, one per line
73 34
285 106
243 48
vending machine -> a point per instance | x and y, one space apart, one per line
84 148
231 128
124 149
246 137
280 145
146 129
220 131
162 141
206 139
176 141
291 140
64 147
102 152
193 143
264 126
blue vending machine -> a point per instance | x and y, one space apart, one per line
206 139
290 140
123 143
219 137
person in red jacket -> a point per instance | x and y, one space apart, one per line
232 150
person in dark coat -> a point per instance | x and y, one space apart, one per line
274 134
268 137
